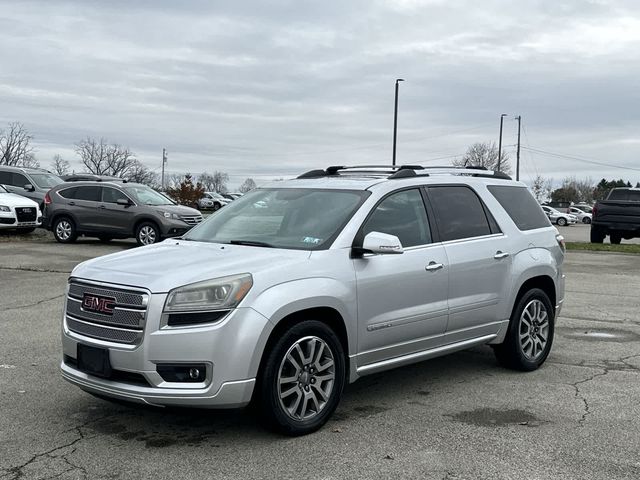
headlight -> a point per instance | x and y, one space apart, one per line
4 209
174 216
219 293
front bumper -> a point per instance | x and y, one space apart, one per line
9 220
174 228
230 348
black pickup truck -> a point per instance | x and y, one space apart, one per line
617 216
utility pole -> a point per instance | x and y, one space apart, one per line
395 122
519 118
164 160
500 141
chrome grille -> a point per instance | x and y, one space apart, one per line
191 219
124 325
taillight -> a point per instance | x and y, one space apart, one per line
47 199
560 240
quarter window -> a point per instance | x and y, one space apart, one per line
401 214
523 209
459 213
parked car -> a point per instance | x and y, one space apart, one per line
109 210
559 218
18 212
585 207
617 216
343 273
213 200
580 214
32 183
90 177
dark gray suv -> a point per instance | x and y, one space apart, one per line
109 210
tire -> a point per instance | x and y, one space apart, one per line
586 220
615 238
64 230
147 233
532 318
597 236
317 379
105 238
216 207
22 231
562 222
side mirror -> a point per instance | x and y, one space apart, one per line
382 243
123 201
29 188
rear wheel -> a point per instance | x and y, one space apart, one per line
530 333
615 238
562 221
147 233
586 220
302 379
216 206
597 235
64 230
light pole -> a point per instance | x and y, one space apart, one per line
500 141
395 121
519 118
164 160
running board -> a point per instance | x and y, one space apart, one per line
422 355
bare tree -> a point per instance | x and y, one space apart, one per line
139 173
247 185
15 146
484 155
102 158
207 181
60 166
215 182
538 188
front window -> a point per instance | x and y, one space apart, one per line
147 196
306 219
3 190
46 180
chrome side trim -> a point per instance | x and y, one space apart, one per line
422 355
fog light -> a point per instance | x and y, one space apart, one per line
193 373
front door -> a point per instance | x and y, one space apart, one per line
113 217
402 298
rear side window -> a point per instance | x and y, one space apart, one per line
459 213
523 209
625 195
91 194
69 193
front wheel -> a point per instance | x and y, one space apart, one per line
586 220
147 233
597 236
216 207
302 379
562 221
530 335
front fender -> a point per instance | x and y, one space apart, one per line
283 299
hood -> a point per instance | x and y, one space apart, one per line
13 200
178 209
174 263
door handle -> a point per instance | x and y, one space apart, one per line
103 207
433 266
500 255
72 203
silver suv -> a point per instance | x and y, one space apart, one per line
299 287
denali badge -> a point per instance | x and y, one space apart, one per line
95 303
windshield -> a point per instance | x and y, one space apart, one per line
46 180
147 196
3 190
306 219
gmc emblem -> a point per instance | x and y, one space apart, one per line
95 303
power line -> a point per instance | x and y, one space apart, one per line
579 159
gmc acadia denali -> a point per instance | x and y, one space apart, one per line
299 287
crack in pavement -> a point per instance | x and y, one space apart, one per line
28 305
18 472
580 396
34 269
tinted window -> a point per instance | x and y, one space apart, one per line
401 214
459 213
111 195
624 195
523 209
19 180
68 192
5 178
88 193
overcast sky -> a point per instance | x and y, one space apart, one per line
264 89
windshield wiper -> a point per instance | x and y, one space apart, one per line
251 243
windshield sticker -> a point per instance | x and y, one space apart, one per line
313 240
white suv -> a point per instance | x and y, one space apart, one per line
18 212
301 286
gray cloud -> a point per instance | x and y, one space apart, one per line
274 88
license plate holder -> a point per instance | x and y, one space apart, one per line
94 360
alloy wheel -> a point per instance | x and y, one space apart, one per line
534 329
306 378
147 235
63 230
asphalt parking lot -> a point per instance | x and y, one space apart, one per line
456 417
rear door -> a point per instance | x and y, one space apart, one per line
112 217
479 260
402 298
84 207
